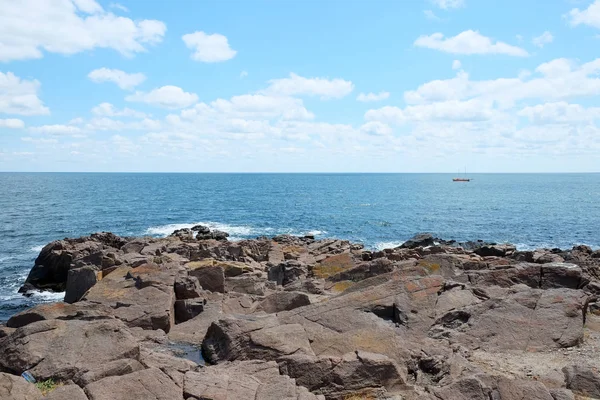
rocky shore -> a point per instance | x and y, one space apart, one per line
195 316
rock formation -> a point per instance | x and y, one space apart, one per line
298 318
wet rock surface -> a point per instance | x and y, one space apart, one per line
298 318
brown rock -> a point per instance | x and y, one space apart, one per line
148 384
16 388
67 392
60 349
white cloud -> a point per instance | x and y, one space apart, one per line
19 96
124 80
543 39
555 80
590 16
431 15
12 123
376 128
298 85
57 129
559 112
209 48
447 4
456 64
252 106
373 96
119 7
243 74
165 97
468 42
29 27
108 110
471 110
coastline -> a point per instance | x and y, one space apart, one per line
421 320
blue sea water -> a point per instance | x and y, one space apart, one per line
379 210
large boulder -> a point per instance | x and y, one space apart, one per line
583 380
210 276
283 301
61 349
419 240
253 337
141 297
16 388
254 379
52 265
148 384
340 377
79 281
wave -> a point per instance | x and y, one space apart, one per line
387 245
236 232
316 232
37 249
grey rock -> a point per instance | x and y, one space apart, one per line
583 380
79 281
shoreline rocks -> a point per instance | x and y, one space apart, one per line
299 318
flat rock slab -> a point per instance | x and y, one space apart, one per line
82 310
149 384
525 319
252 380
68 392
60 349
14 387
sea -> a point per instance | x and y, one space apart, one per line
378 210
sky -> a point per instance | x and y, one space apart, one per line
300 85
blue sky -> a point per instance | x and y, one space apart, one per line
294 86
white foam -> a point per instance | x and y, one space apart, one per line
234 231
387 245
37 249
48 296
316 232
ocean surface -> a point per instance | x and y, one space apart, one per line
379 210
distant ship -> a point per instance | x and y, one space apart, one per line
462 179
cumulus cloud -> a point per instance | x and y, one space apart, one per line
20 96
165 97
30 27
555 80
12 123
57 129
373 96
108 110
590 16
208 48
542 40
456 64
122 79
468 42
559 113
298 85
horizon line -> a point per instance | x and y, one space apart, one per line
288 172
